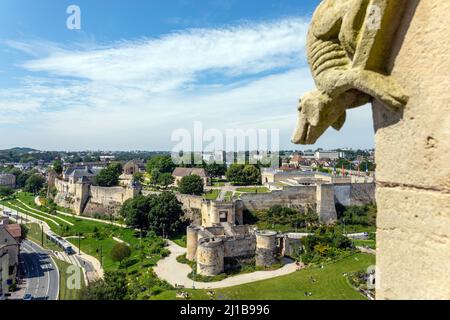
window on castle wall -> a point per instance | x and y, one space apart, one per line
223 216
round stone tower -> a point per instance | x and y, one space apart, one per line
266 247
210 253
191 243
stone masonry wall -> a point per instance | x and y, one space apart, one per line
356 194
412 152
296 197
106 200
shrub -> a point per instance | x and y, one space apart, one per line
120 252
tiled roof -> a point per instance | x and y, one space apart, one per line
14 230
182 172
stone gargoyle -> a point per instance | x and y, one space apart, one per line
340 42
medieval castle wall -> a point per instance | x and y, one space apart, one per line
210 256
87 199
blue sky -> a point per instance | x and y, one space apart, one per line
139 70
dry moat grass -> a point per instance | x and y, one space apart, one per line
315 283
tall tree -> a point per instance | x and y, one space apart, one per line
163 164
192 184
240 174
58 166
165 214
135 211
112 287
109 176
216 170
120 252
34 184
6 191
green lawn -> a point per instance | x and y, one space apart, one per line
211 194
218 184
365 243
253 190
35 235
67 289
355 228
330 284
280 227
179 239
228 196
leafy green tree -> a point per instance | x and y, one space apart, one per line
34 184
109 176
112 287
52 207
240 174
120 252
288 217
6 191
160 213
14 171
53 191
58 166
22 179
116 167
165 214
165 179
366 164
359 215
252 175
192 184
163 164
135 211
138 177
235 174
23 231
215 170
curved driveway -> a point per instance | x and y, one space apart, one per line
39 272
170 270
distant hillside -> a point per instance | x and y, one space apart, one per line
19 150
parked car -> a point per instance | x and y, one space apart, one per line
28 296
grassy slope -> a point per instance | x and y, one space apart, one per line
330 284
64 292
212 194
89 244
253 189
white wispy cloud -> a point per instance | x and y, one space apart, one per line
132 94
178 58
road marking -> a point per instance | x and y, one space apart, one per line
47 265
38 279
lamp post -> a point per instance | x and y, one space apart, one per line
101 256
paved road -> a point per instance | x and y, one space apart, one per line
39 272
98 272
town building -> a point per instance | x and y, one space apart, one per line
7 180
133 166
77 191
10 235
328 155
179 173
107 158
